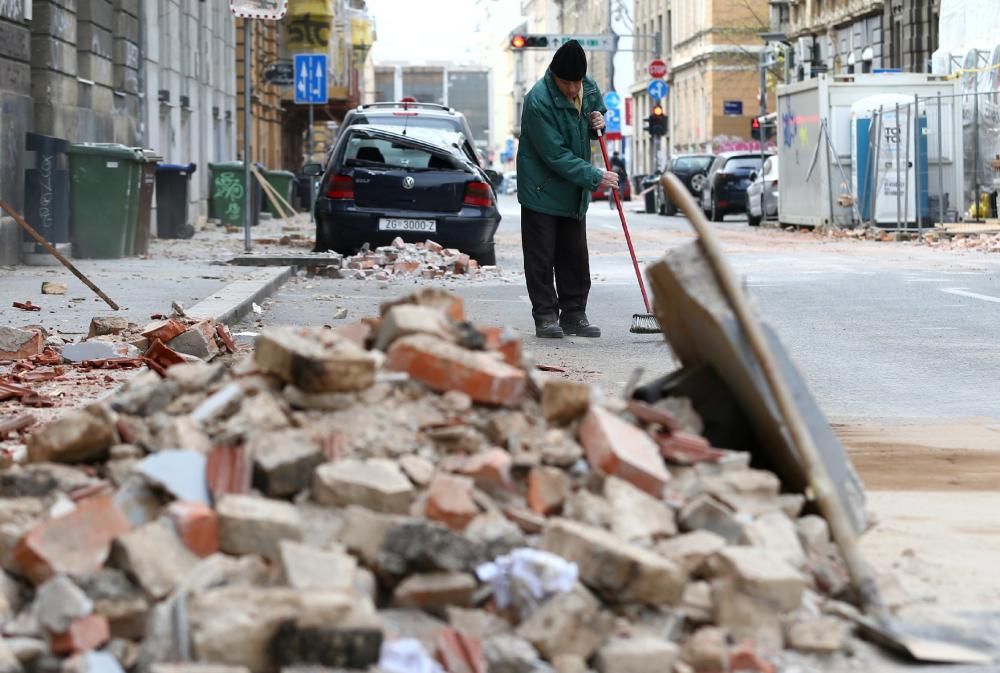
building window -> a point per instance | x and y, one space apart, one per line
385 85
424 84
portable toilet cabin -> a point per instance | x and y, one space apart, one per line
889 160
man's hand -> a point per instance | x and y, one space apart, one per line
609 180
596 121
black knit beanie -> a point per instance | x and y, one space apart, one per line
570 62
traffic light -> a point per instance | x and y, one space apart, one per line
657 122
519 41
755 129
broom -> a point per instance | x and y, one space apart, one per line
642 323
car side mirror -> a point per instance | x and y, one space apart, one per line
313 170
753 175
495 178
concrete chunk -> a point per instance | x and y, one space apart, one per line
284 462
155 557
636 654
314 360
758 574
567 623
305 567
252 525
376 484
75 437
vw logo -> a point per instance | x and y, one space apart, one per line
408 182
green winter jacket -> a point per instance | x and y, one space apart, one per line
554 173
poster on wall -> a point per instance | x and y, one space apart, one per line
259 9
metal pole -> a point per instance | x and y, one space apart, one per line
309 153
975 146
906 175
762 81
899 178
247 185
876 165
824 132
940 166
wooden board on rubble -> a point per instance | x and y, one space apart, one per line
701 328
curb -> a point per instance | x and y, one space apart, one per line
235 300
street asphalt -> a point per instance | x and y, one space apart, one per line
878 329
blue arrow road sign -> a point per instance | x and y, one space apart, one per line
613 121
310 79
612 100
657 89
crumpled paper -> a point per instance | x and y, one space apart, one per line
406 655
524 578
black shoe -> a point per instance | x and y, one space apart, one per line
579 327
548 330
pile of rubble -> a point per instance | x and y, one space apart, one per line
407 493
428 260
978 242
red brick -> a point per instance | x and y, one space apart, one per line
647 413
461 264
445 301
473 265
164 330
32 346
746 660
197 340
526 520
445 366
84 634
683 448
620 448
357 332
228 471
500 340
512 351
77 543
433 246
164 356
459 652
490 469
197 526
405 267
226 336
548 488
450 501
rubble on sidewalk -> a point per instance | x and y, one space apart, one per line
427 505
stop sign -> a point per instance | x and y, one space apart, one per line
657 69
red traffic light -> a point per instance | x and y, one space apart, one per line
658 111
517 41
755 123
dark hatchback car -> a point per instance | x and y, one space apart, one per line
726 186
692 170
423 184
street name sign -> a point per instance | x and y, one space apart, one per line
590 42
280 73
657 68
310 79
657 89
259 9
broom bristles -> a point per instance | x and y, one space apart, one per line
644 323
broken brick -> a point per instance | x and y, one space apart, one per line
460 652
407 319
163 356
76 543
450 501
77 436
104 326
19 344
435 590
228 470
445 366
564 401
548 488
490 469
197 525
163 330
84 634
314 360
682 448
254 525
621 449
222 331
451 305
376 484
197 340
745 659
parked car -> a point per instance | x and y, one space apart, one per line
404 116
380 183
762 194
726 185
692 170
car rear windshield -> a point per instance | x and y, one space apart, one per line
380 152
410 120
737 163
692 163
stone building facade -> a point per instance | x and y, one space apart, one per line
911 33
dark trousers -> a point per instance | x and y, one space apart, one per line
555 247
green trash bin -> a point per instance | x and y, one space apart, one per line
283 182
104 199
226 200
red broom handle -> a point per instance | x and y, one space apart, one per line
621 214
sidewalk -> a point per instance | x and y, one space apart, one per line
185 271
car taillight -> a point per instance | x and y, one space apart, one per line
341 187
478 194
724 175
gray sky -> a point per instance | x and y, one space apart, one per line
436 30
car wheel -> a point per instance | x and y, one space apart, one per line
716 215
487 256
698 182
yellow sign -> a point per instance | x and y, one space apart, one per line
361 33
307 25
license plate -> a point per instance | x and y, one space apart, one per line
401 224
